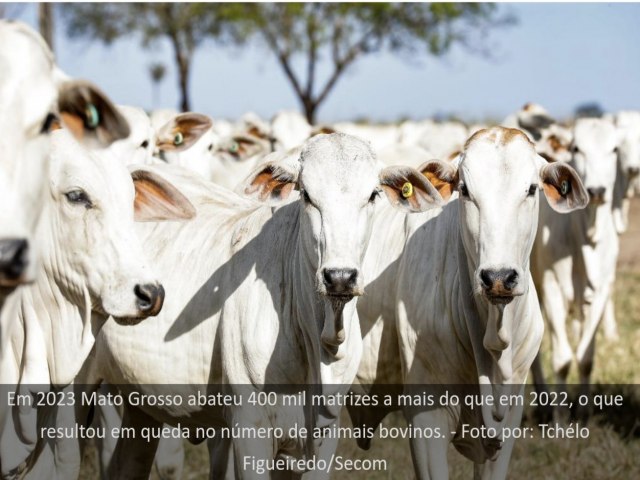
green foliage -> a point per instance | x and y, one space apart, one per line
338 32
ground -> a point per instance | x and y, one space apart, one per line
612 450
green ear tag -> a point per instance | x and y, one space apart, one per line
178 139
234 147
407 190
93 117
565 186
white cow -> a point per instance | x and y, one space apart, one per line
574 257
34 93
92 267
261 296
628 125
237 156
139 146
454 302
379 136
290 129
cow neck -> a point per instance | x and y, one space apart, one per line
330 336
60 306
54 337
493 331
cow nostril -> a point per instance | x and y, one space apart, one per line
149 297
14 258
340 281
487 278
510 279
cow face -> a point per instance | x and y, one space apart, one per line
235 157
186 140
498 178
35 96
339 182
90 247
139 146
594 148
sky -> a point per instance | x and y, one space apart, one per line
558 55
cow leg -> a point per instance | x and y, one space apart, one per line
107 416
249 452
133 457
220 459
585 366
556 314
170 458
429 455
543 413
498 468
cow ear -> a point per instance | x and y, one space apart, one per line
407 189
563 188
182 131
156 199
442 175
272 182
89 115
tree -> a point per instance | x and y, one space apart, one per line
345 32
185 25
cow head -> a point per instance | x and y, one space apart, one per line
139 146
187 140
35 96
595 146
339 181
498 177
90 247
235 157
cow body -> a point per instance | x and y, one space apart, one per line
574 258
454 322
252 319
92 267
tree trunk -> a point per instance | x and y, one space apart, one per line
45 22
183 72
310 109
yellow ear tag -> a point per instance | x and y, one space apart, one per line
407 190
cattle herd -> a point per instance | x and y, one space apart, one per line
147 251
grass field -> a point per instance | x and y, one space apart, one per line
612 450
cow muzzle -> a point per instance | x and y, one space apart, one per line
501 285
340 282
14 261
149 299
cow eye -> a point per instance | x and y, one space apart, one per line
48 123
533 188
374 196
464 191
144 144
79 197
575 149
